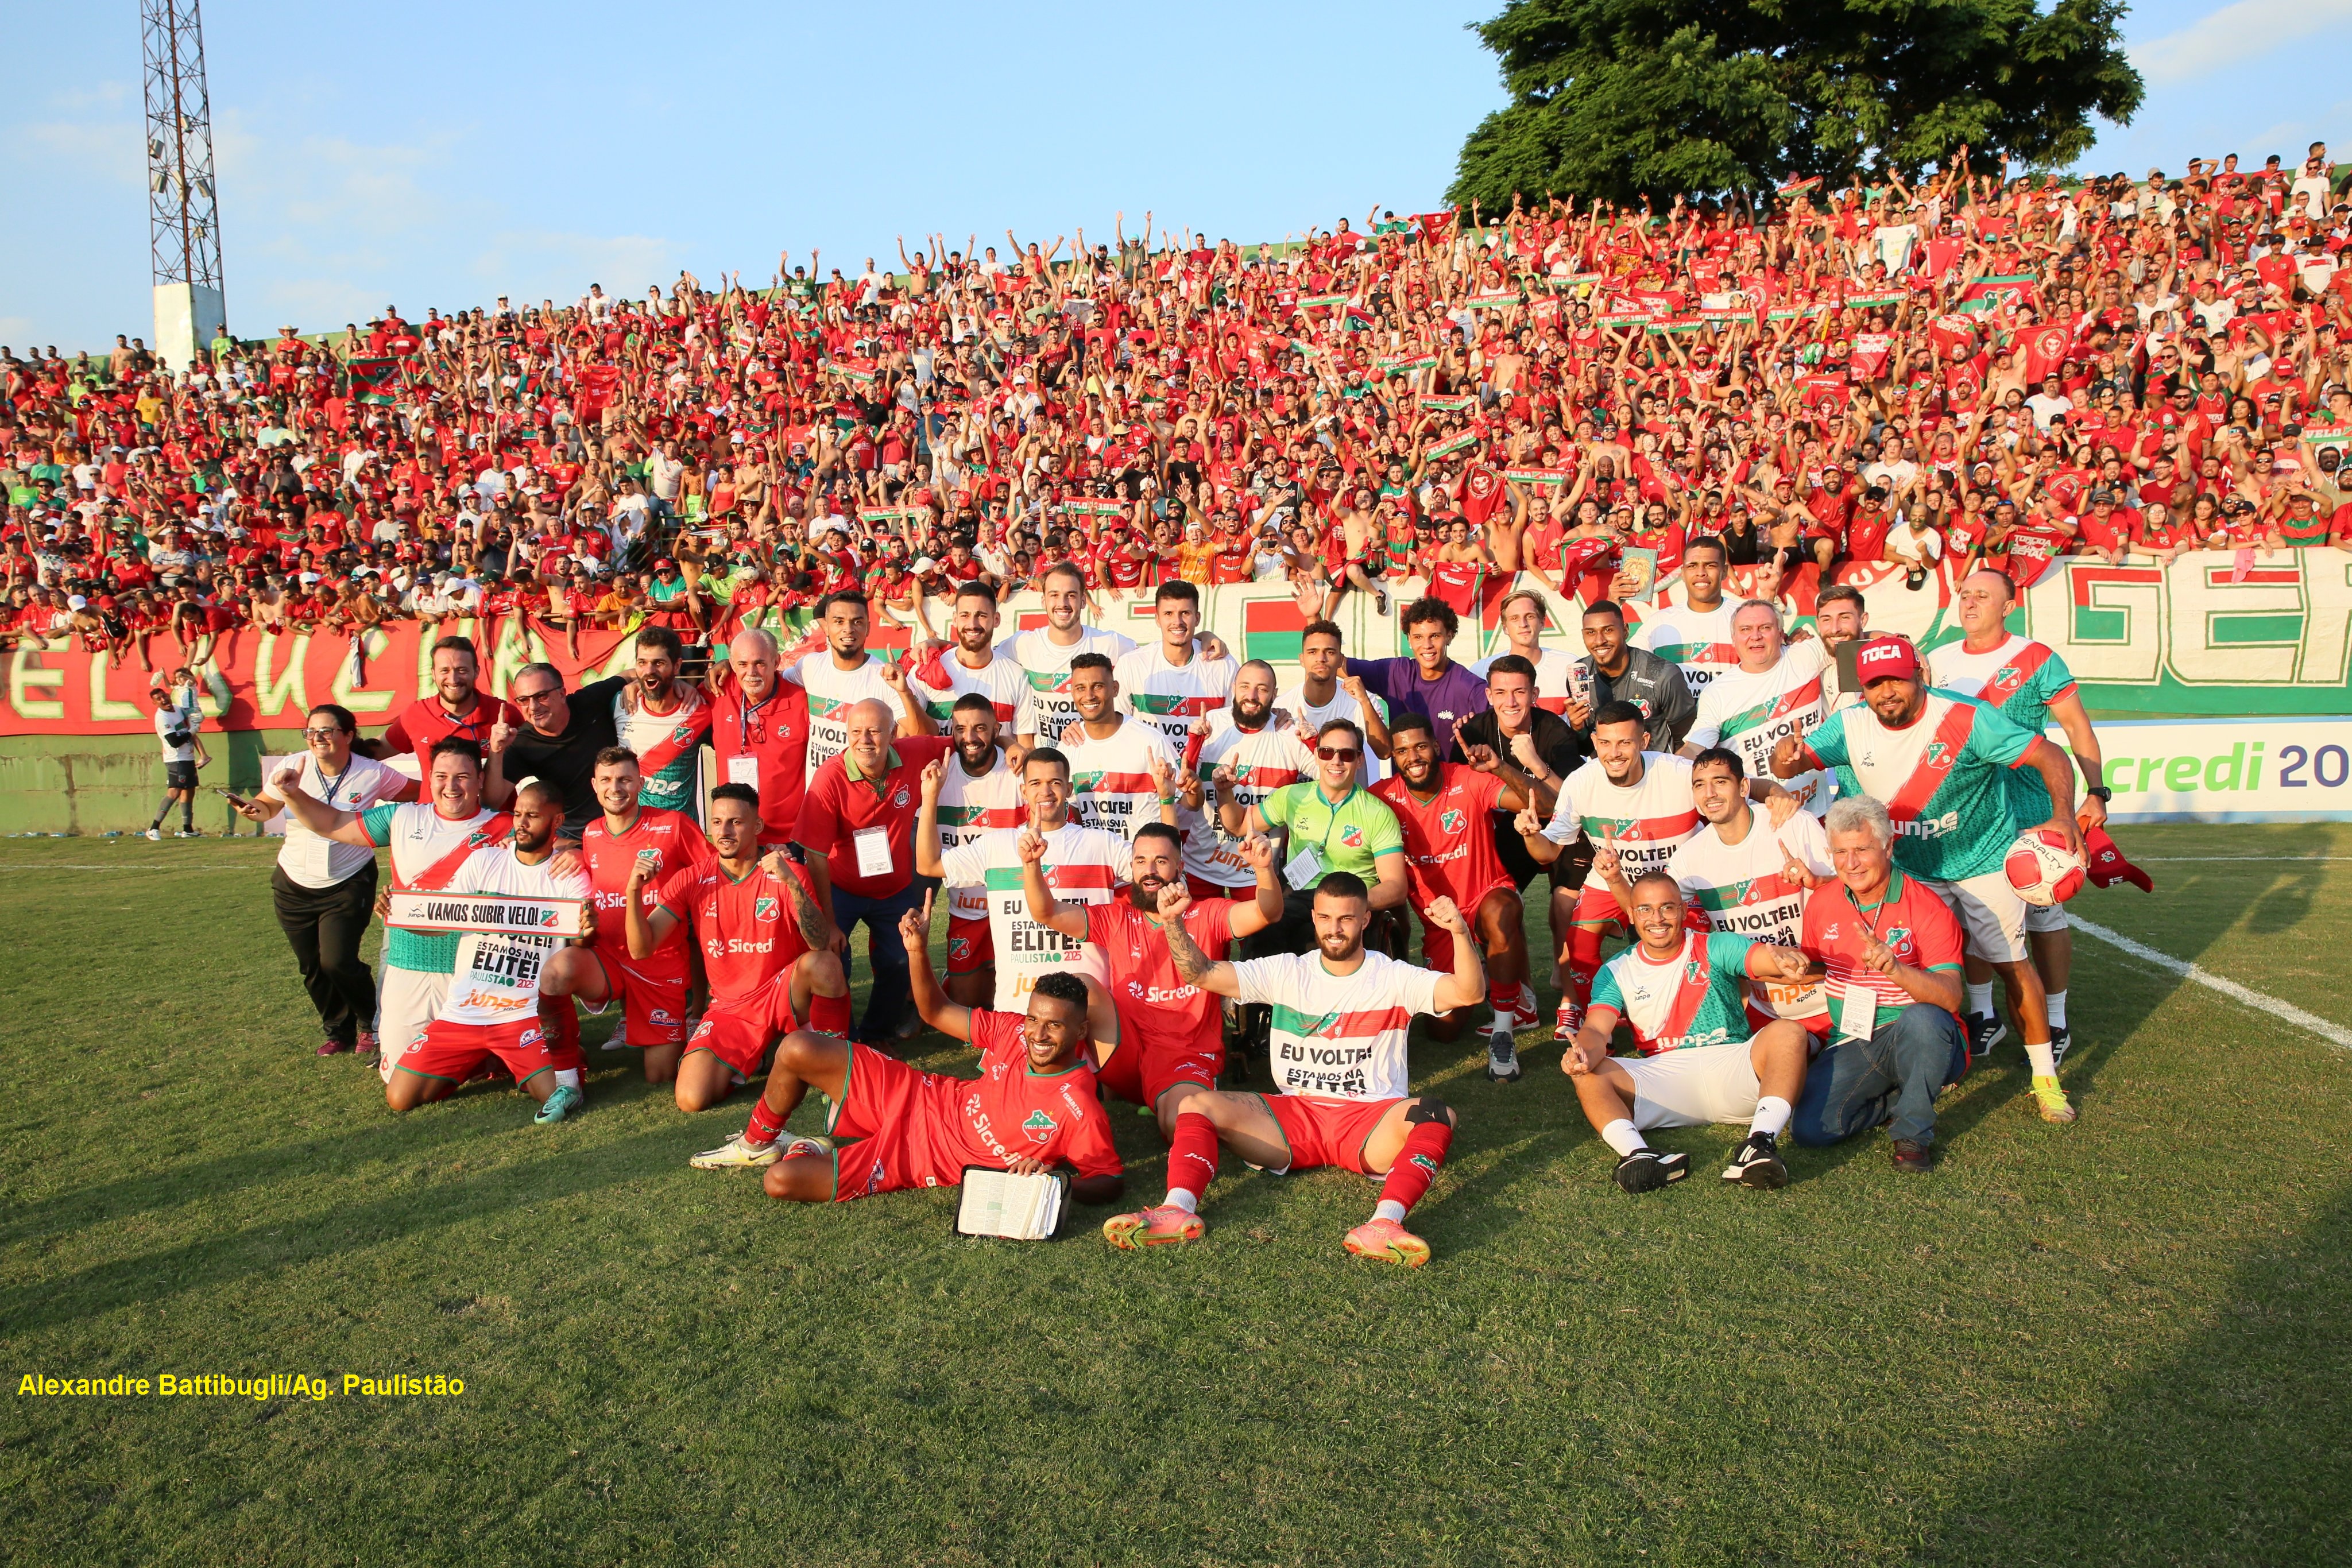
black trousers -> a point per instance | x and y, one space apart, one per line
324 926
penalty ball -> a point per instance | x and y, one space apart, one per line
2043 868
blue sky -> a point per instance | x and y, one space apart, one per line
461 151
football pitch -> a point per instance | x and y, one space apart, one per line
2125 1341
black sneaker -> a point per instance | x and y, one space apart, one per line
2058 1043
1502 1057
1756 1164
1647 1170
1916 1158
1985 1031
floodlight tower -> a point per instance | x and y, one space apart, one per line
183 219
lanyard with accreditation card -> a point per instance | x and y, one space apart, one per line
1858 1003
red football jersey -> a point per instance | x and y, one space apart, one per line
1157 1009
1449 841
745 929
675 841
1010 1111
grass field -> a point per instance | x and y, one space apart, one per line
2125 1341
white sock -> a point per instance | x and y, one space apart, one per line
2057 1010
2045 1066
1502 1022
1772 1114
1622 1137
1389 1209
567 1078
1981 998
1184 1198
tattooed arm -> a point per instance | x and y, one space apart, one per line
1192 964
816 923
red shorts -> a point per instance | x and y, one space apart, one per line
1140 1074
652 1004
1597 906
738 1031
971 947
1437 943
1327 1132
451 1050
883 1109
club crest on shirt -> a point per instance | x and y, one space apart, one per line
1938 756
1352 836
1450 821
1038 1123
763 909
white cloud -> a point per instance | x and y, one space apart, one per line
2245 30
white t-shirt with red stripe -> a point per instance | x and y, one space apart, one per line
1111 780
1047 665
1751 713
830 690
1005 683
1082 866
1263 761
1742 889
1170 696
970 807
496 979
1697 640
1650 818
1339 1037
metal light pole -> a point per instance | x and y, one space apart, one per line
183 217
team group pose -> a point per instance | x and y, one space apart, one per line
1162 875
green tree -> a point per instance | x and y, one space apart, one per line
1622 99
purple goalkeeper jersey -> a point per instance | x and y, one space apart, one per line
1456 693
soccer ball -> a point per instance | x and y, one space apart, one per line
2042 869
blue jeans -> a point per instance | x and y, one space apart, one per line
1849 1087
886 955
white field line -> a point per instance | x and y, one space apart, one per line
2335 1034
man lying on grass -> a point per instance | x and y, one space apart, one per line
1034 1105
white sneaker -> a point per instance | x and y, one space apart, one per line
620 1041
736 1154
155 834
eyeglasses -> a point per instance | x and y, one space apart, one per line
539 696
321 734
1338 753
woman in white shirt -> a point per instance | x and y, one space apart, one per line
324 891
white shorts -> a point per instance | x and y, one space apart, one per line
1991 915
2045 919
408 1001
1694 1087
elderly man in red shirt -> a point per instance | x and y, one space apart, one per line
856 834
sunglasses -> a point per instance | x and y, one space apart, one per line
1338 753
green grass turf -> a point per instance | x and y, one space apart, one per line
2119 1342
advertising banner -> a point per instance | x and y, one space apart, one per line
2262 647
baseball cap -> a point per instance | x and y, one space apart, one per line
1886 658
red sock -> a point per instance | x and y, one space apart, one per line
1417 1164
766 1125
1192 1155
562 1023
829 1015
1583 962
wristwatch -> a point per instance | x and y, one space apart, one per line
2101 793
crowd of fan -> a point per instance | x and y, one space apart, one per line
1972 369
